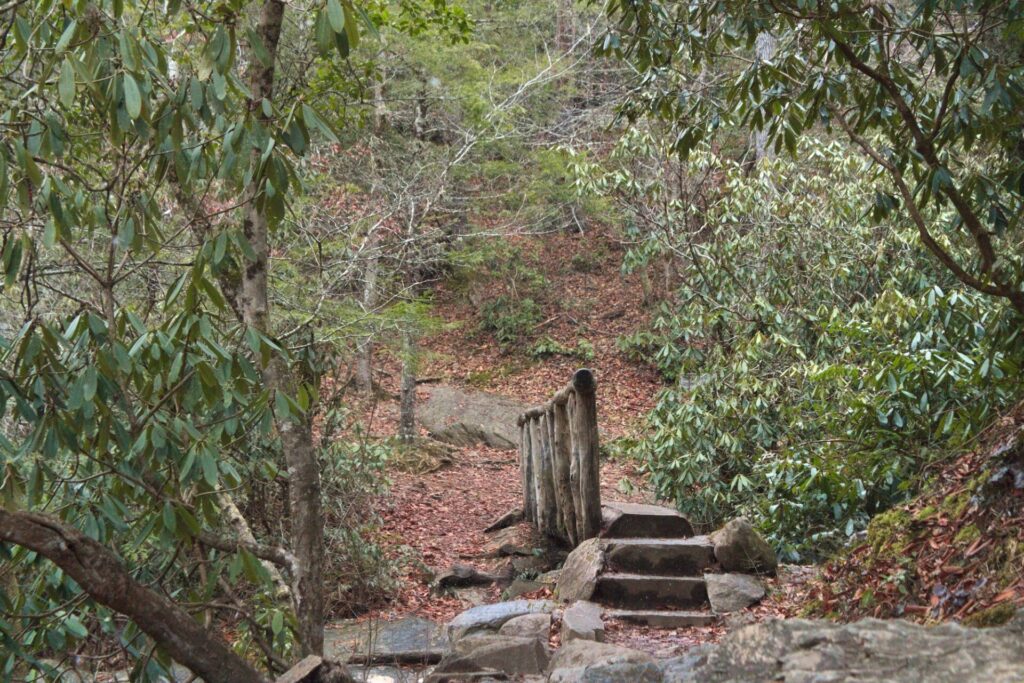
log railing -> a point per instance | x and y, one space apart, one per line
558 459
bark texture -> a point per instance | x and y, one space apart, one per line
101 574
305 506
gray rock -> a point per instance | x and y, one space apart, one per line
491 617
624 672
536 626
575 659
739 548
408 641
733 592
636 520
869 651
516 655
582 621
462 576
466 418
578 578
520 587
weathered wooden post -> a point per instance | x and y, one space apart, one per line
563 457
558 454
586 454
546 478
526 469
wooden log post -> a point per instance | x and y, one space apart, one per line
562 458
545 479
526 469
558 458
585 448
540 505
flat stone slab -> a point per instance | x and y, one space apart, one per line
635 520
408 641
663 618
467 418
664 556
641 591
492 617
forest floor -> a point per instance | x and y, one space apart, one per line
433 520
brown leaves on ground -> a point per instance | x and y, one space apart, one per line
953 553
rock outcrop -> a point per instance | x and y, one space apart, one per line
467 418
869 651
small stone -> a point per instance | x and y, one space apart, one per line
733 592
582 621
739 548
528 626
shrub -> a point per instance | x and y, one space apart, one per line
509 320
818 358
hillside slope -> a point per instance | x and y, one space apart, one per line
956 552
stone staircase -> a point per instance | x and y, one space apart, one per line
650 567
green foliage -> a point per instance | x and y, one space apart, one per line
545 347
509 320
931 91
816 357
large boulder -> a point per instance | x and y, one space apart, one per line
467 418
739 548
589 660
492 617
517 655
869 651
578 578
732 592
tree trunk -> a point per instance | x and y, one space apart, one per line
305 506
364 352
764 49
102 575
407 416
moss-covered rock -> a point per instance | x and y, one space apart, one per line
885 527
997 615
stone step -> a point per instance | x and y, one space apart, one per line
663 618
634 520
662 556
641 591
